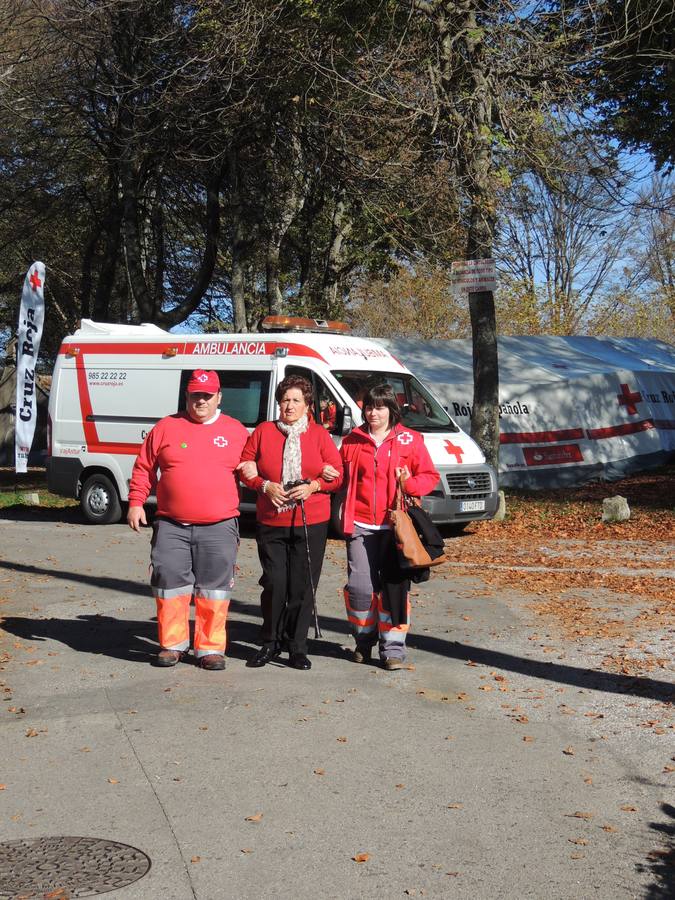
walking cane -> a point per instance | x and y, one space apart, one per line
317 630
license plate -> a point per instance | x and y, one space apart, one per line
471 505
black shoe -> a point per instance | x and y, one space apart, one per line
362 655
262 657
299 661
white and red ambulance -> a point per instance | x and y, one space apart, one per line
112 383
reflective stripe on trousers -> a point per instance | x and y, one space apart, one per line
367 612
363 621
392 637
173 619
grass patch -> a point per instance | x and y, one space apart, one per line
14 484
12 498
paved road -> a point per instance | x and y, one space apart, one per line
501 765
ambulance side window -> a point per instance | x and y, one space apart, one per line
325 404
245 394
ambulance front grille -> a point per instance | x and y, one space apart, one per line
459 485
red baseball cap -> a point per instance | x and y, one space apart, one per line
202 382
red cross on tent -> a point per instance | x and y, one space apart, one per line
628 399
34 279
455 451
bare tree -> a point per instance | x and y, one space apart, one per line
566 245
656 258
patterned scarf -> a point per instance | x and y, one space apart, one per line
292 462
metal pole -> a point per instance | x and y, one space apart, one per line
317 630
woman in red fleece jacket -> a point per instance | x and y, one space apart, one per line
376 456
291 450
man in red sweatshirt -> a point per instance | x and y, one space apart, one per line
196 530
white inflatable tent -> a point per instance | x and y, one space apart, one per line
573 409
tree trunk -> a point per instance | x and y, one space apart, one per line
274 298
107 271
464 112
341 227
133 251
209 257
86 280
238 280
477 164
292 192
237 247
485 417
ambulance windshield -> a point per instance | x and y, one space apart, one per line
419 409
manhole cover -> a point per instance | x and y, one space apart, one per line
65 867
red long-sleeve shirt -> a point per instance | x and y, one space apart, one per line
196 462
370 473
266 447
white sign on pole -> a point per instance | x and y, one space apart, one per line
31 319
471 276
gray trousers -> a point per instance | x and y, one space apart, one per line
193 561
365 596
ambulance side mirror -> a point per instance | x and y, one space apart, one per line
345 422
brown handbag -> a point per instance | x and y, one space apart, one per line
411 550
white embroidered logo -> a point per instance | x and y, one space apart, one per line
404 437
220 441
202 378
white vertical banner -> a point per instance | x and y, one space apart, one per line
31 320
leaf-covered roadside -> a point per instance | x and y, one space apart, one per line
610 586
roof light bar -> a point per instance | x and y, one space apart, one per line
297 323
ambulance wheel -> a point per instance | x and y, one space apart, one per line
99 500
336 517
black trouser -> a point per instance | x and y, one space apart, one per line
286 597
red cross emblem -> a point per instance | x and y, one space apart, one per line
404 437
220 441
34 279
628 399
454 451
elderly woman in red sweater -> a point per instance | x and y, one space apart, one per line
283 461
